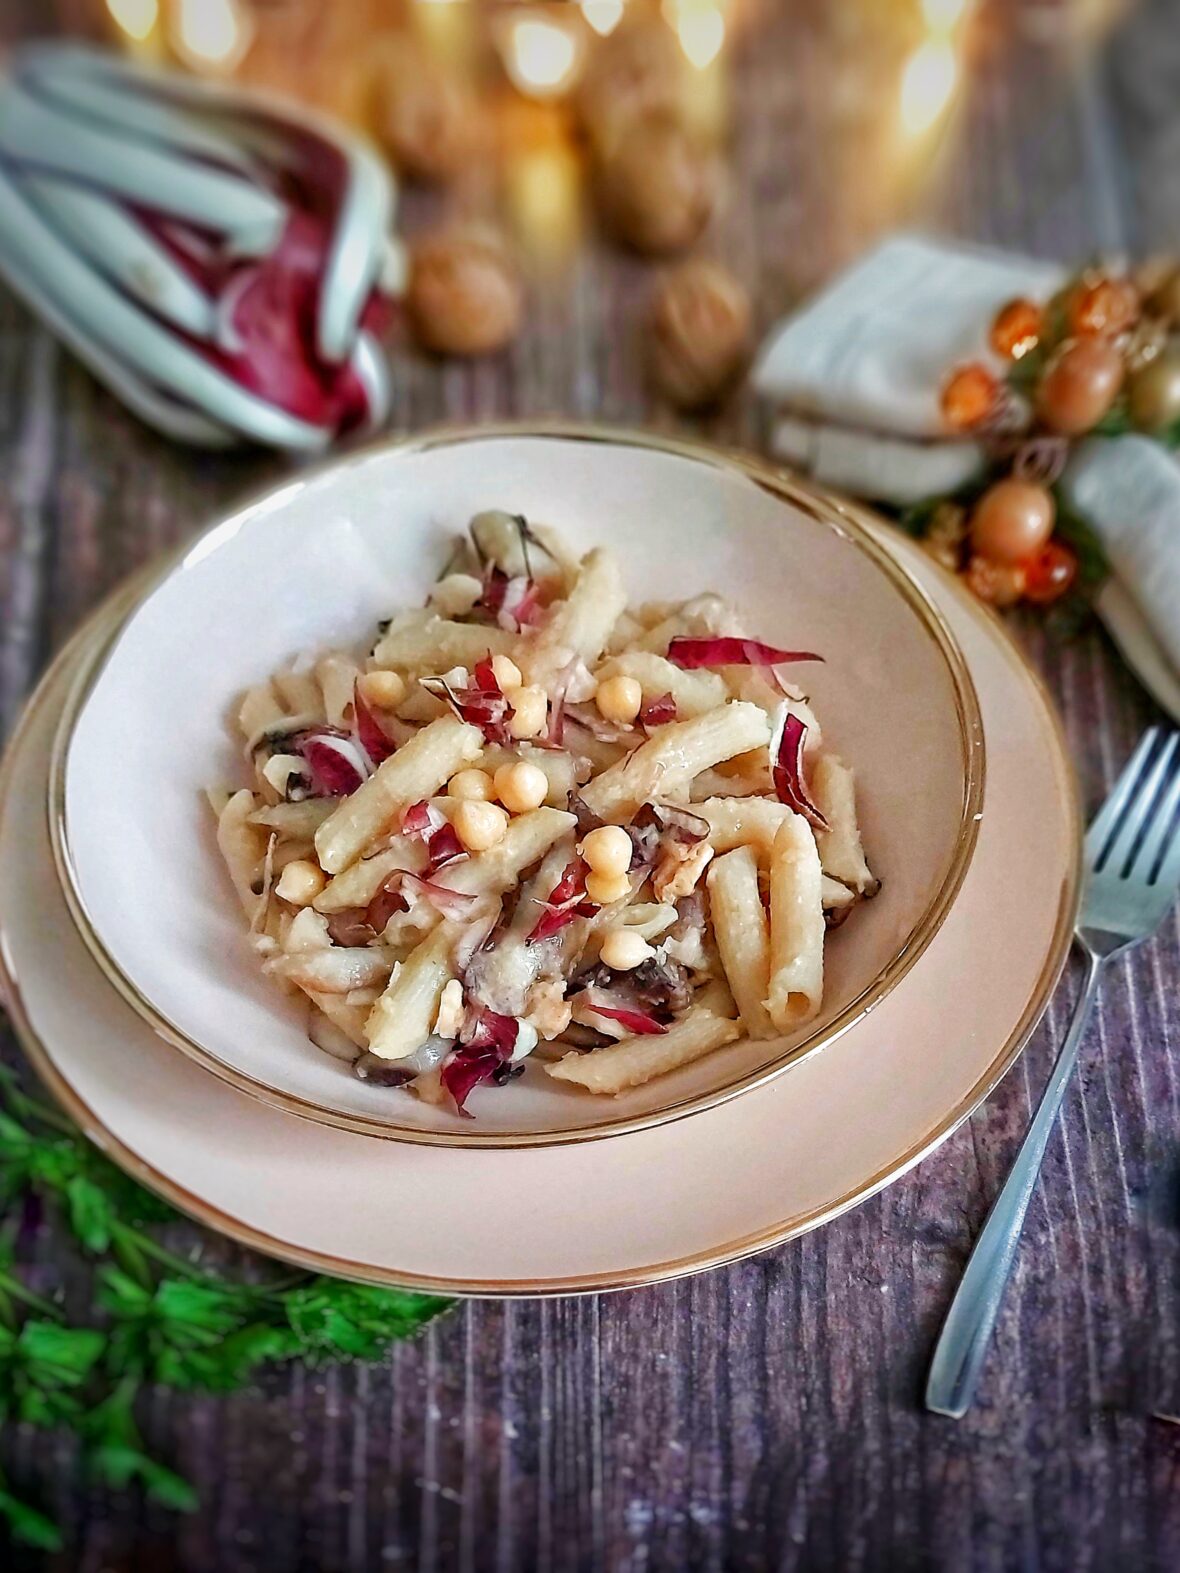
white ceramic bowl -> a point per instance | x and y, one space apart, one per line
318 562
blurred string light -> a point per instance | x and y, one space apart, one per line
943 16
700 27
603 15
136 18
541 55
211 33
927 83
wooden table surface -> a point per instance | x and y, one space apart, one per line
767 1415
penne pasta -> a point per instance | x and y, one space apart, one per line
796 926
299 692
695 692
414 772
528 838
633 1061
356 885
259 709
404 1016
580 625
337 676
840 851
243 845
743 936
672 756
425 642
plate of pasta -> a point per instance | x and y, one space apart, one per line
518 788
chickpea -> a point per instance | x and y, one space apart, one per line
619 698
507 672
530 711
608 850
479 825
473 786
521 786
605 889
300 883
386 690
622 949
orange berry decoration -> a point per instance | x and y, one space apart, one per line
997 584
1017 329
969 396
1050 574
1103 308
1012 521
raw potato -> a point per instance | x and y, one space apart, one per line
417 770
404 1016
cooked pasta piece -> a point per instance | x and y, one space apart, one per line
414 772
424 642
796 926
580 625
840 851
243 846
633 1061
404 1016
672 756
743 936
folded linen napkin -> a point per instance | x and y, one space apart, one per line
853 382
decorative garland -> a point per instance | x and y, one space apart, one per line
1100 358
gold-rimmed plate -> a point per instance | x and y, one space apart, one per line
733 1180
318 562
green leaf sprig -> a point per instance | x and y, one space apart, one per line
153 1319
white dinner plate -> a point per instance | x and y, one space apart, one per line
318 562
630 1209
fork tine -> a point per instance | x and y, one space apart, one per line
1141 809
1110 815
1161 846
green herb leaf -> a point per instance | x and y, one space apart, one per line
91 1214
115 1452
28 1524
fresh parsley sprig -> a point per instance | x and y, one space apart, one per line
152 1318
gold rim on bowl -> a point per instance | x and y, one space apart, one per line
721 1255
824 509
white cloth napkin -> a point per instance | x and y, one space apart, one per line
853 382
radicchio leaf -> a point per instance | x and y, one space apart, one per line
786 764
720 650
636 1021
565 902
422 821
657 712
338 766
351 926
484 1054
369 731
481 703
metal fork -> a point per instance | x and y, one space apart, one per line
1133 873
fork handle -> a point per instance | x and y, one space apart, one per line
963 1342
